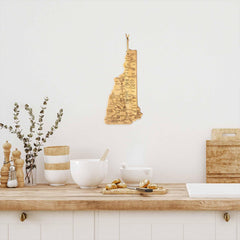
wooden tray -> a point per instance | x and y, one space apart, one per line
159 191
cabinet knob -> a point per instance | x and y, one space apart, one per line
23 216
226 216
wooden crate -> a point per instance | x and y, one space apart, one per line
223 156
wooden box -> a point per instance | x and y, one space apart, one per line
223 156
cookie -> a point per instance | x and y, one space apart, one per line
152 186
111 186
122 185
116 181
144 183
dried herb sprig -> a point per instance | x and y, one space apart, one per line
34 140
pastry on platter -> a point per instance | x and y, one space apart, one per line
121 185
144 183
116 181
111 186
152 186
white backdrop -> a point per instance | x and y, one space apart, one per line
71 50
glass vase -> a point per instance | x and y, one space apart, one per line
31 174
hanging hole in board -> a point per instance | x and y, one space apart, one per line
229 134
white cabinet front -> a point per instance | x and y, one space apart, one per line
119 225
41 225
165 225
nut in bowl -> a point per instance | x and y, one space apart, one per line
88 173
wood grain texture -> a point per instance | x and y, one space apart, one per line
159 191
226 134
72 198
223 156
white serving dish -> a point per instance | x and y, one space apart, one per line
57 177
88 173
213 190
133 175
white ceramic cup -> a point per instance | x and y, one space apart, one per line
88 173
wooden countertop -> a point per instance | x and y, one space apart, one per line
72 198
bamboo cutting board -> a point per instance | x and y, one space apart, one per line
223 156
159 191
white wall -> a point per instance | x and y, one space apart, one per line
71 50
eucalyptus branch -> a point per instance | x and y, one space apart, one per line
38 143
28 139
32 148
10 128
32 121
18 129
55 126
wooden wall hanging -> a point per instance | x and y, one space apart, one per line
123 102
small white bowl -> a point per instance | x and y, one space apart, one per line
57 177
88 173
133 175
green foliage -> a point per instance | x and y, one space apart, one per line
34 140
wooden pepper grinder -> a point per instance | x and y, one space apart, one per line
16 155
7 149
19 168
4 175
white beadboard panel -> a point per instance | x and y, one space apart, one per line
226 230
167 217
107 225
10 216
167 231
83 228
199 231
50 216
36 216
57 231
24 231
3 231
238 224
120 225
133 231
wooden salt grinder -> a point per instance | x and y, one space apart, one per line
19 168
7 149
16 155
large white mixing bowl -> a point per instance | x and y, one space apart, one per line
88 173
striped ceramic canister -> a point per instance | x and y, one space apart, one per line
56 164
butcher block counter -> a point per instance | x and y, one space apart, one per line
71 198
